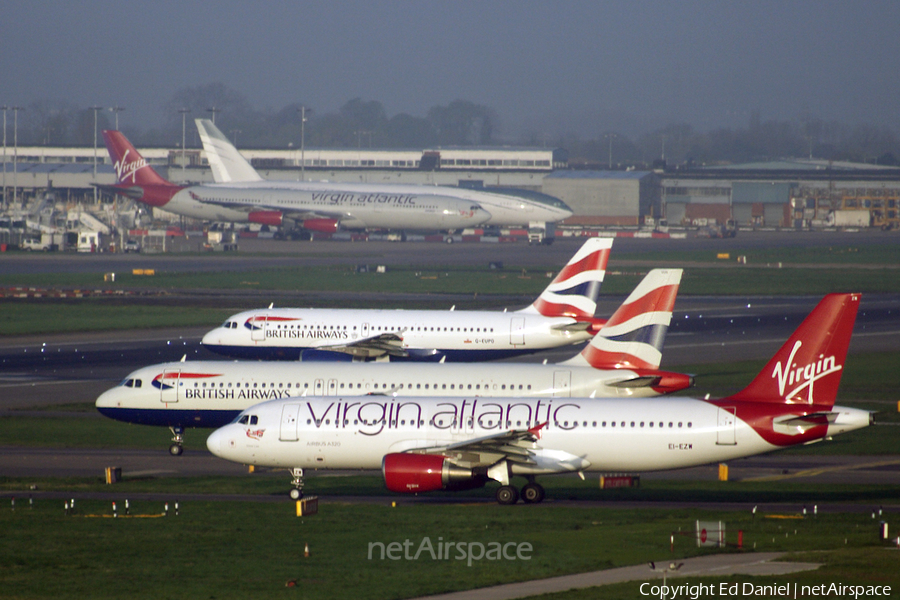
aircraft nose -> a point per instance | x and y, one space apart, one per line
214 442
210 337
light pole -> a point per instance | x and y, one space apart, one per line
4 108
234 133
95 109
214 110
117 110
302 110
15 110
610 136
184 112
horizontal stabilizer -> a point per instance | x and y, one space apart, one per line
638 382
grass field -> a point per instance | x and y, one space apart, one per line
246 550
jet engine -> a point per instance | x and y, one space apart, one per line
266 217
321 225
414 473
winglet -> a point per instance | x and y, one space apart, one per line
536 430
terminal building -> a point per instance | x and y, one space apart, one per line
778 194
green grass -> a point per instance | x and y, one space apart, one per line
872 566
245 550
28 318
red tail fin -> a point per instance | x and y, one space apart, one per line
807 368
131 168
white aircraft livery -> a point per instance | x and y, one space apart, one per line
563 314
507 206
622 360
313 206
423 444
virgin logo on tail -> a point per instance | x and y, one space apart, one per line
128 169
804 375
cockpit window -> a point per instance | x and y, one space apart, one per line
131 383
248 420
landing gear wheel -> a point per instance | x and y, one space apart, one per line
507 494
297 482
532 493
177 447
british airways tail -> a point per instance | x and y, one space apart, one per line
808 367
634 335
135 178
226 162
574 292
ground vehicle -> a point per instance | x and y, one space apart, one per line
131 246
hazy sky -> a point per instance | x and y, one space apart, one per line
544 66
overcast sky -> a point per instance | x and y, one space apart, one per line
545 66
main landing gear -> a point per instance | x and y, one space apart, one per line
532 493
177 447
297 482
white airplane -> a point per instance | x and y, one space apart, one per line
425 444
563 314
622 360
315 206
507 206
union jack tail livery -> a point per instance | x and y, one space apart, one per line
575 290
634 335
807 369
136 178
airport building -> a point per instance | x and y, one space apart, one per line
780 194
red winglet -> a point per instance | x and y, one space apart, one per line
536 430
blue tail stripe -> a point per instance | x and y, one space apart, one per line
654 335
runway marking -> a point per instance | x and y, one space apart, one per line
819 471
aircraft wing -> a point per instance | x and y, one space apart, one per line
372 347
296 215
514 445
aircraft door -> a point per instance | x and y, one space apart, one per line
289 415
332 387
365 330
725 430
562 384
258 332
169 382
517 331
319 387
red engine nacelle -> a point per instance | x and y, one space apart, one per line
414 473
322 225
266 217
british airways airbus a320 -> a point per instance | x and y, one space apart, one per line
314 206
622 360
563 314
452 443
508 207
